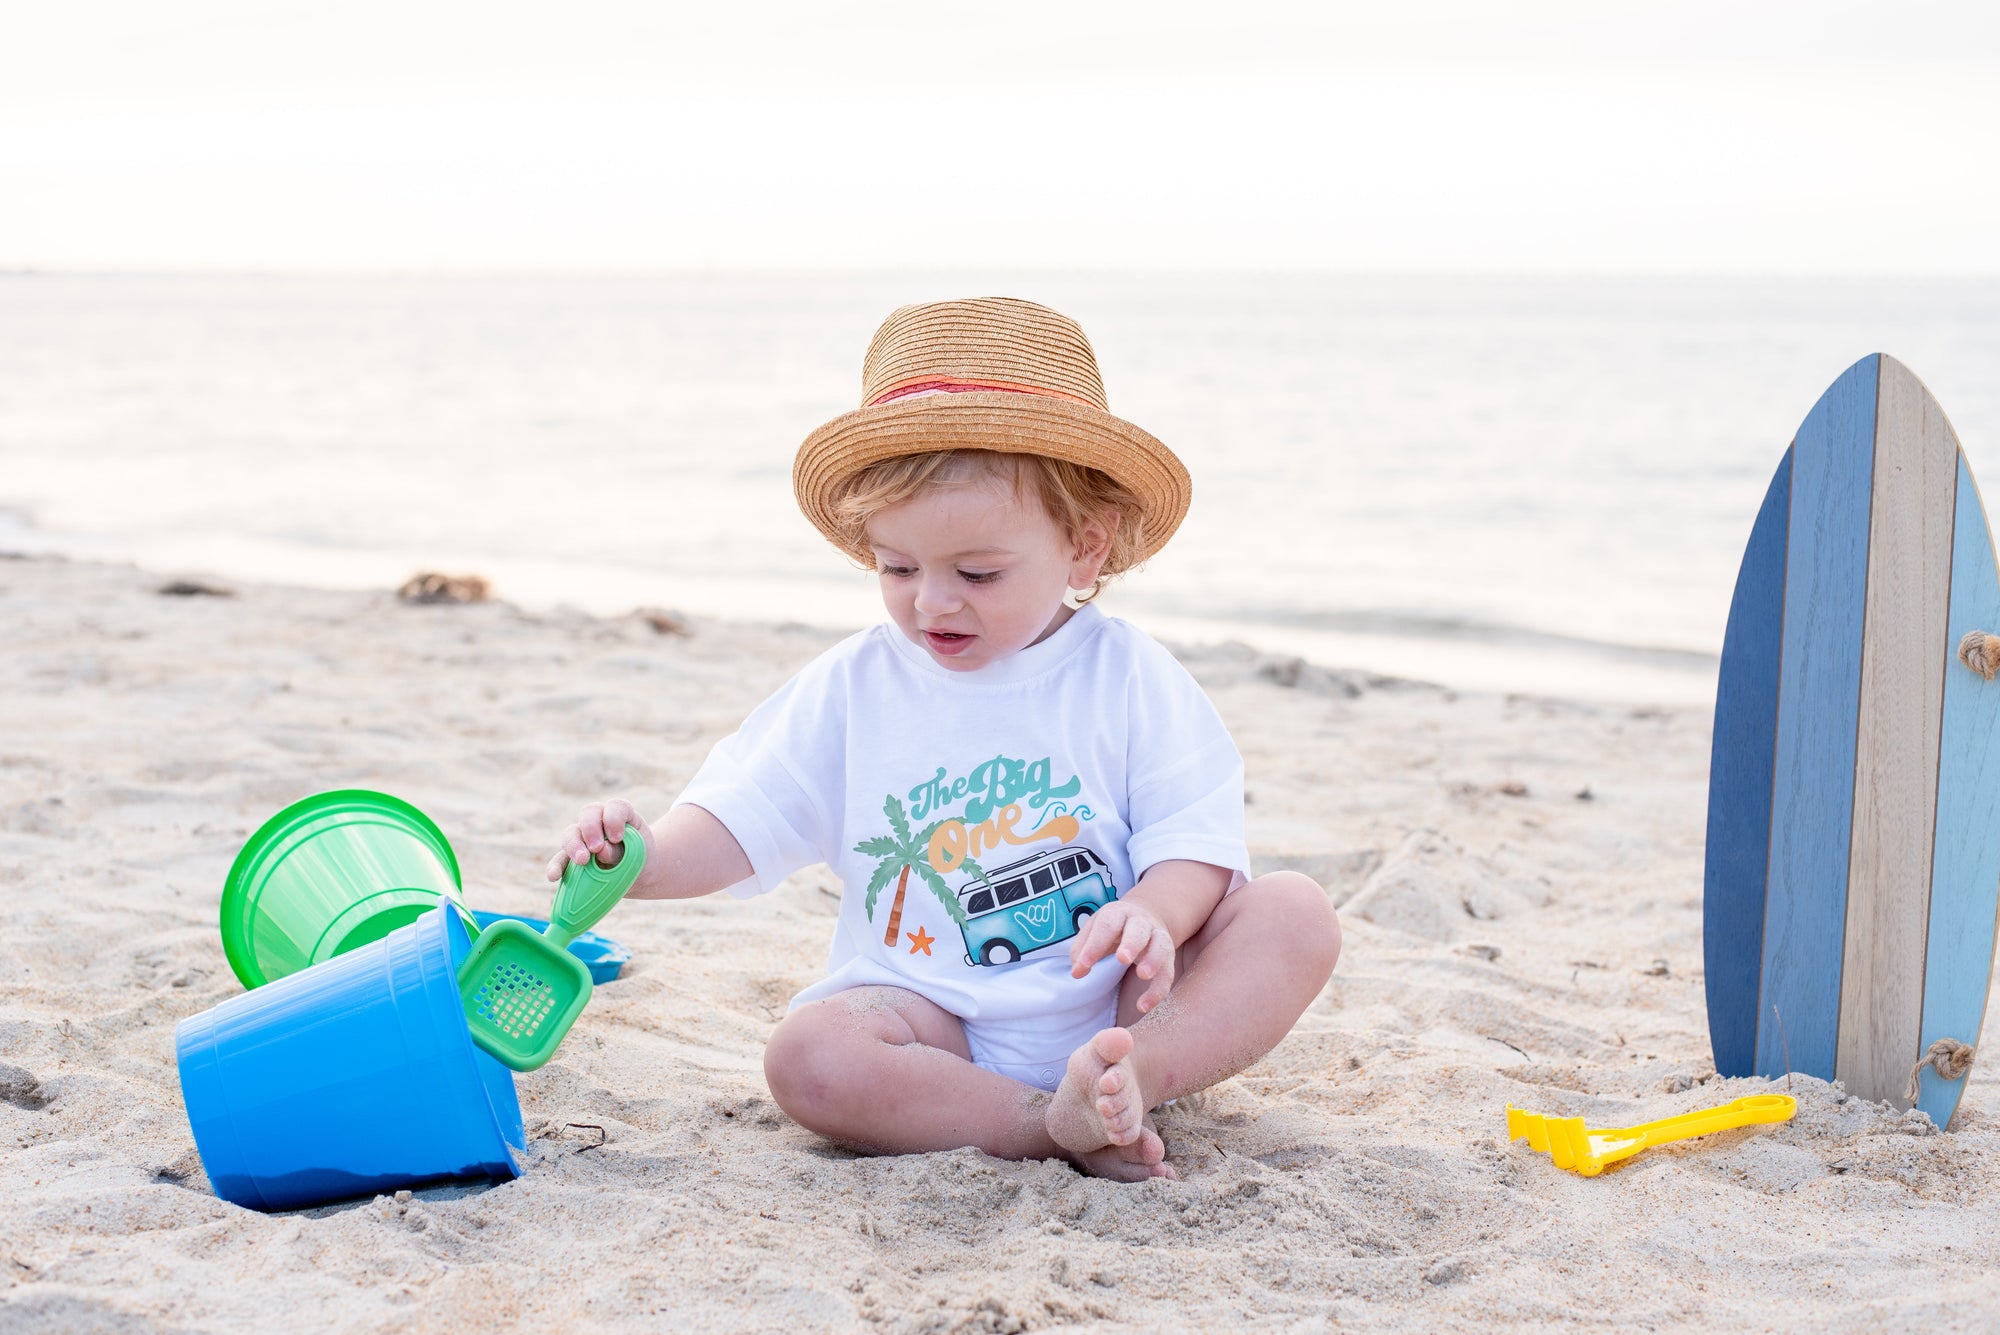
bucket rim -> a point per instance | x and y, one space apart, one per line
233 912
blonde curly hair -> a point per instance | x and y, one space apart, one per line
1073 495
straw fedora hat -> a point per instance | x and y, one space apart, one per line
990 373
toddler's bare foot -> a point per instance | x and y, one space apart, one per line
1145 1157
1098 1102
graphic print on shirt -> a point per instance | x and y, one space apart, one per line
1027 904
1035 902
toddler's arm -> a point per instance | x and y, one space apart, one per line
691 854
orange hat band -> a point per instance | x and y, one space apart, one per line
933 385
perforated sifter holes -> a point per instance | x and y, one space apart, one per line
515 1000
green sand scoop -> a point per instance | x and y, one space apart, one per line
522 989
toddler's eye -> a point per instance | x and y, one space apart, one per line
899 572
979 576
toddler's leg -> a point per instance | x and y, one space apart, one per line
1240 984
883 1070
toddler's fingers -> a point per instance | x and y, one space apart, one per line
556 865
618 813
1093 943
573 846
1159 957
591 826
1132 944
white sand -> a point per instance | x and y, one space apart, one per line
1358 1177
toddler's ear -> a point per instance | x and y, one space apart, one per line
1092 546
1093 541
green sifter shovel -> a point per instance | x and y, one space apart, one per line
522 989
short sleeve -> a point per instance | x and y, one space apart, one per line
1185 775
756 780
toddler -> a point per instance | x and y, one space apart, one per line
1048 926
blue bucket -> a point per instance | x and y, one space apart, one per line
349 1078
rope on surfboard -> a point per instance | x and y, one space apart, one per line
1980 651
1948 1057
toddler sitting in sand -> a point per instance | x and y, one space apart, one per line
1048 927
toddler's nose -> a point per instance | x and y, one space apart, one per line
936 597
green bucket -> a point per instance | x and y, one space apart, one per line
330 873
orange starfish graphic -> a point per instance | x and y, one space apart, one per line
920 940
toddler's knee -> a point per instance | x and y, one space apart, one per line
804 1072
1310 922
818 1063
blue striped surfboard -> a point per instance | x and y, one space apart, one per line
1853 860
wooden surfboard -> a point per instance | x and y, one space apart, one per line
1853 861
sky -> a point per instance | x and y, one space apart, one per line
1540 136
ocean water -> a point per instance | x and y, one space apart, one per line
1526 484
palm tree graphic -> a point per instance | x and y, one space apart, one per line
899 853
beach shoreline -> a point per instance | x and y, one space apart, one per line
1519 878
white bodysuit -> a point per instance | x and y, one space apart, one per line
1000 807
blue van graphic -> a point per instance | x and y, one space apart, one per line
1032 903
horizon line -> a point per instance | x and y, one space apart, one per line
790 269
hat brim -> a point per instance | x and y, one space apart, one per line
1004 422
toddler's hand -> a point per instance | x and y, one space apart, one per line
1137 936
597 833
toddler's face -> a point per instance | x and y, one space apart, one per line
974 573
